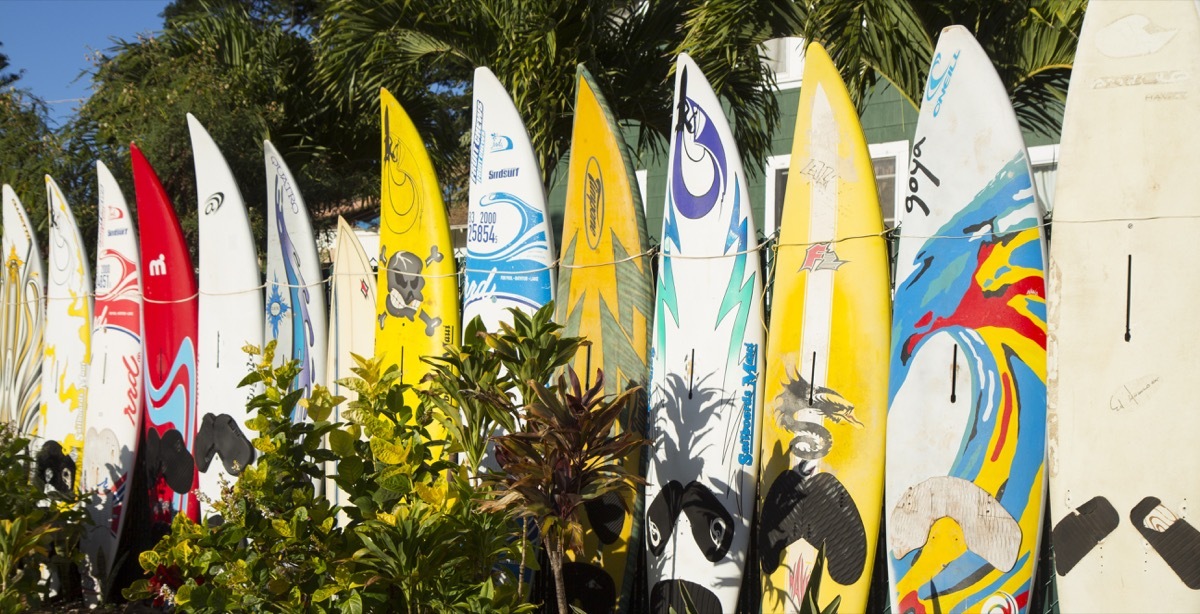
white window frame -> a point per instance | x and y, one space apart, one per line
900 151
1041 155
774 164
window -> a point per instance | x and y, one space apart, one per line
776 180
890 160
785 56
641 181
1044 162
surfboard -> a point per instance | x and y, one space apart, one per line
510 251
825 381
295 291
114 394
58 447
24 319
1121 314
351 326
417 311
230 301
966 432
169 321
706 357
605 293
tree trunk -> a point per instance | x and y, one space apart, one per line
555 552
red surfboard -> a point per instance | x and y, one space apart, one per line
169 338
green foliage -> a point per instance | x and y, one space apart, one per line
1031 42
413 540
425 52
478 386
37 529
246 77
29 150
7 78
566 456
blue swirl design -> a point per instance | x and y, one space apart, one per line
696 144
174 401
984 286
303 336
513 271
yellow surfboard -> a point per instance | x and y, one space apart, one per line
825 392
605 294
417 304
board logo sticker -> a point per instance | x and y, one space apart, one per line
477 144
698 146
593 202
821 257
213 203
158 266
939 83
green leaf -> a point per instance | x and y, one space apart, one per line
341 442
353 604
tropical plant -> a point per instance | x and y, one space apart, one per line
413 538
425 51
39 529
1031 42
566 456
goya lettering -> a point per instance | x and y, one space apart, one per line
914 183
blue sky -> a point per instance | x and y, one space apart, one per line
53 39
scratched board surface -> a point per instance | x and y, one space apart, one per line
967 412
169 320
115 397
58 446
1122 314
510 245
825 384
295 291
417 288
230 303
706 356
605 291
23 322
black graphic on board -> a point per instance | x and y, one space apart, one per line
606 515
799 398
1080 531
55 468
589 588
817 508
1173 538
682 596
406 288
712 524
219 434
167 456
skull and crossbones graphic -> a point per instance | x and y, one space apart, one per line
406 288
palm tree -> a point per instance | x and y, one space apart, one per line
429 48
1031 42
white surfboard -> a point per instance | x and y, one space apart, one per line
351 326
707 340
964 479
230 301
295 292
115 393
510 247
58 446
23 301
1123 327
